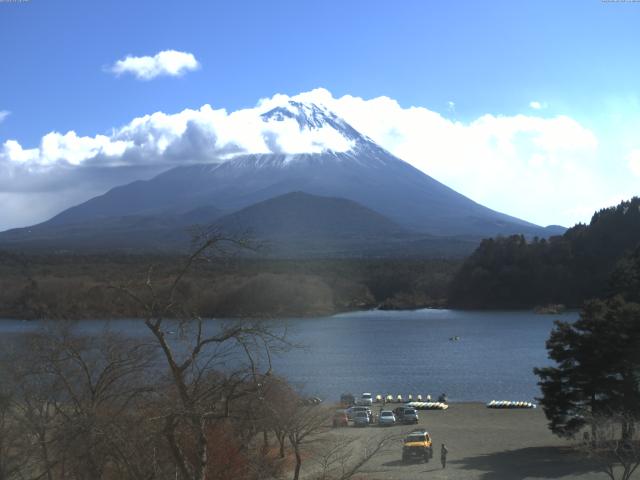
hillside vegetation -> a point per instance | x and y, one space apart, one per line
511 272
84 286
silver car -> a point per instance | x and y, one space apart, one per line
386 418
361 419
410 415
351 411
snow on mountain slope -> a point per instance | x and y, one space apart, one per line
340 162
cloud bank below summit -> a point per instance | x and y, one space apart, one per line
523 165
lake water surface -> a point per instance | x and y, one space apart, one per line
401 352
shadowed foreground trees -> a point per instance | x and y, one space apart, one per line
598 366
102 408
613 445
191 400
76 406
595 387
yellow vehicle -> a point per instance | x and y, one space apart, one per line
417 446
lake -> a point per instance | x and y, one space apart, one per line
406 352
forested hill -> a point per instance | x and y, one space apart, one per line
511 272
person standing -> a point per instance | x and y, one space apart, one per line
443 455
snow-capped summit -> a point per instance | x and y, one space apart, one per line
309 149
311 116
314 117
308 115
330 135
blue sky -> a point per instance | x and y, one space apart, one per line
577 59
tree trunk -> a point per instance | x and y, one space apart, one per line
201 471
628 430
296 473
265 442
45 454
281 441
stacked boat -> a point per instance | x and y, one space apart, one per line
509 404
401 399
428 405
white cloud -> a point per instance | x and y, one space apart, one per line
528 166
4 114
537 105
539 169
633 160
168 63
190 136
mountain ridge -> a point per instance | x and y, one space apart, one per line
364 173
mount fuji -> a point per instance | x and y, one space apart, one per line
380 196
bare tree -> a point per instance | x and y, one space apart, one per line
210 366
76 400
613 442
12 458
303 425
187 401
278 400
337 457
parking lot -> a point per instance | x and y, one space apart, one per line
482 443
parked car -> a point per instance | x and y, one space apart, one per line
417 446
366 399
347 399
361 419
406 414
351 411
386 418
340 419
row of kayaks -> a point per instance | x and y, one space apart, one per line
428 405
509 404
401 399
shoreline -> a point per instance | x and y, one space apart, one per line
301 315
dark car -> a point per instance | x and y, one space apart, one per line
406 415
347 399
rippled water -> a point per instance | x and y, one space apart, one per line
402 352
411 352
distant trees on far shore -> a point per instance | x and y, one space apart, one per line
512 272
77 286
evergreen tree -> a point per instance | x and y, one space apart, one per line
625 279
598 367
513 272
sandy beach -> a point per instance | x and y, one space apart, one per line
483 443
